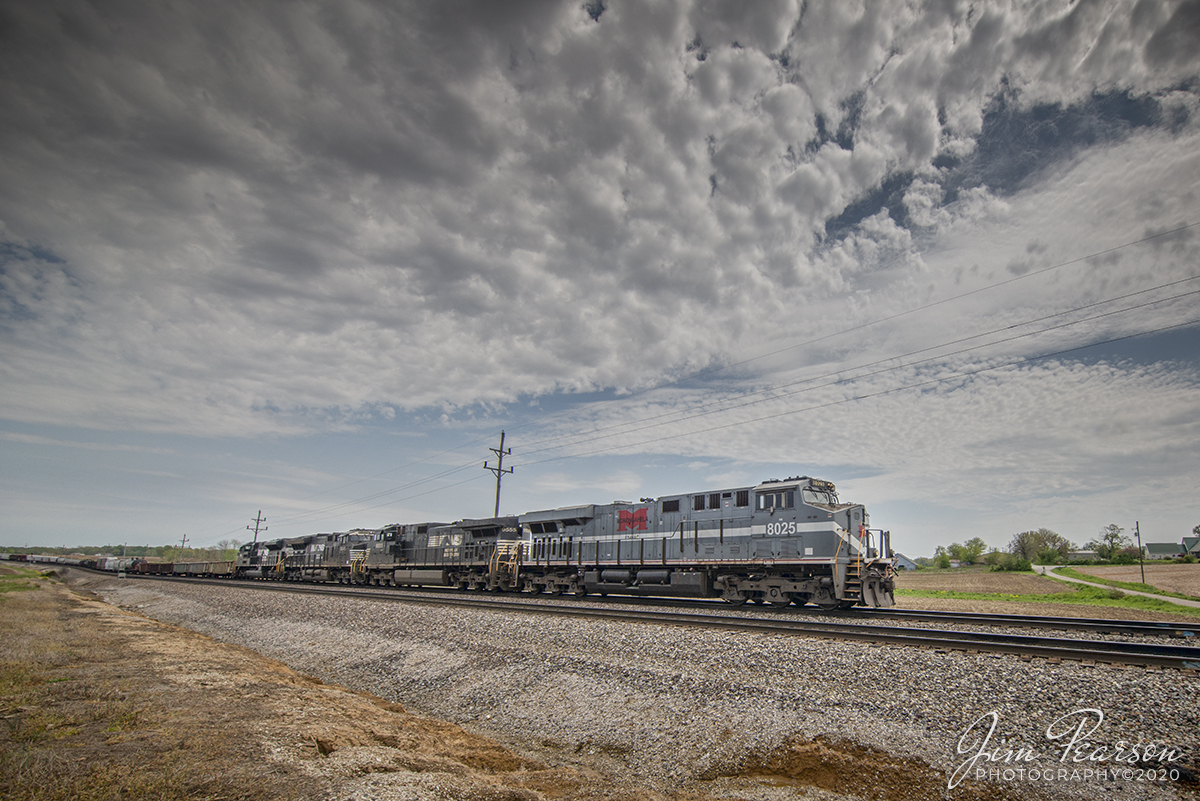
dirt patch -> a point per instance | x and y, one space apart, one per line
1183 579
978 580
845 767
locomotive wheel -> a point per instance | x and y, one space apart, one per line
777 597
735 596
827 606
578 591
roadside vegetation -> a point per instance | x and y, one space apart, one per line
961 571
1124 585
1088 596
1044 547
15 579
77 721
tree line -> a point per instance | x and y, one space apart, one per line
1042 546
223 551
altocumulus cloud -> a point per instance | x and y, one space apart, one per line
226 218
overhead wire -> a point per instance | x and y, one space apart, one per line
708 372
880 393
728 404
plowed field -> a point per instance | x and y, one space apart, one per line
978 580
1172 578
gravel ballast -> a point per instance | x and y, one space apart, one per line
674 706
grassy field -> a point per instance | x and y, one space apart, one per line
15 578
983 587
1182 581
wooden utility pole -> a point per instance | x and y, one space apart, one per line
499 469
258 521
1137 529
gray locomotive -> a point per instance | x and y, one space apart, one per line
780 542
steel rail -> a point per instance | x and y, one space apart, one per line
1137 628
1149 628
1182 657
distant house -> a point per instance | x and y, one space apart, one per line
1163 550
1191 545
1080 556
904 563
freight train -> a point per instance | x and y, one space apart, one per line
780 542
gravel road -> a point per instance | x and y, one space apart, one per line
679 707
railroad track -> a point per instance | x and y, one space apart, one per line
1181 657
1144 628
1136 628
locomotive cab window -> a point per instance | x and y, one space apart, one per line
777 500
818 497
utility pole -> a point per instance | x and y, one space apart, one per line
258 521
182 543
1137 529
499 469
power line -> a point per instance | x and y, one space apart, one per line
880 393
926 307
703 410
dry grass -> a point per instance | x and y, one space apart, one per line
82 722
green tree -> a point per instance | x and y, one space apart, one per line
974 549
1028 544
1110 542
969 552
1048 556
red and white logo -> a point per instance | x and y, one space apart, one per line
631 521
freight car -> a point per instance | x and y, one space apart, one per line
779 542
145 567
214 569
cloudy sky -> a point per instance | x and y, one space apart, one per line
312 257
